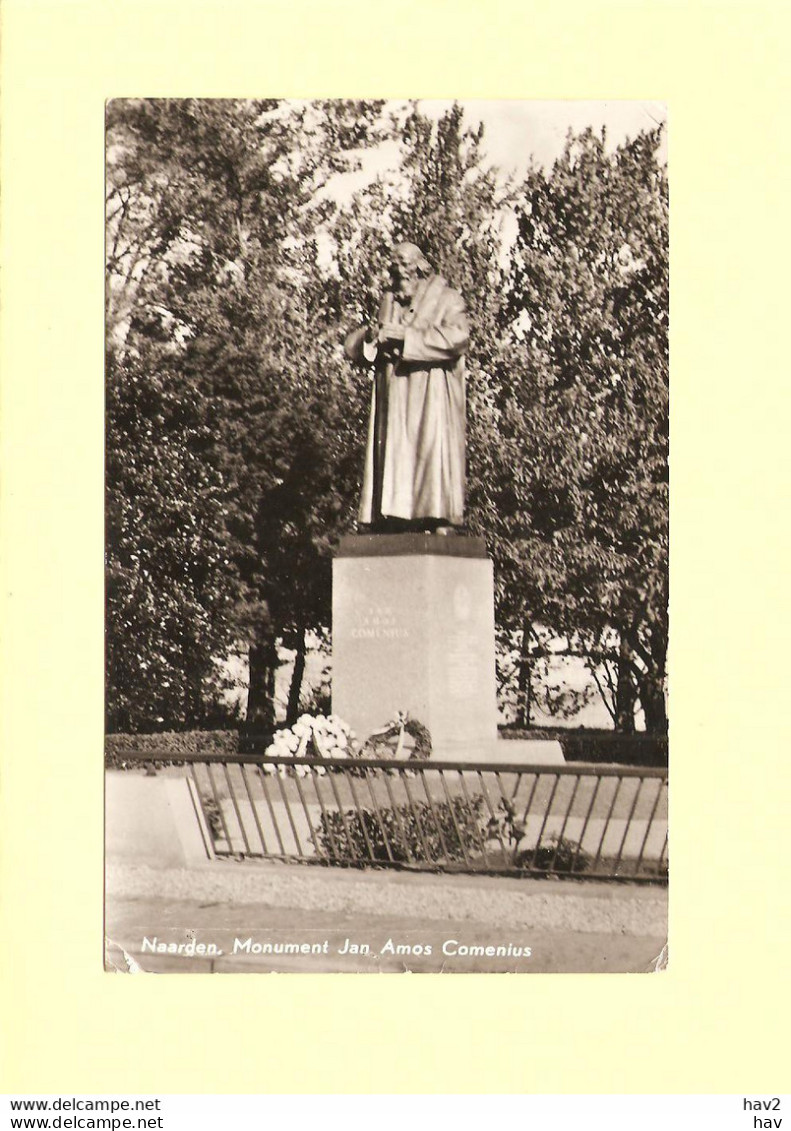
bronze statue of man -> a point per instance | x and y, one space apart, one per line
414 467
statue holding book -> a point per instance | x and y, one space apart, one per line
415 460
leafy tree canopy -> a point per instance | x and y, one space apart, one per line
235 426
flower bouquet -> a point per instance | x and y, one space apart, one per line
317 737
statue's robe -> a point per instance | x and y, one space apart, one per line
414 466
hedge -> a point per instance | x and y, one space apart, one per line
600 745
169 745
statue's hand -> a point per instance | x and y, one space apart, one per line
391 332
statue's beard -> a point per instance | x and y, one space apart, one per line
405 289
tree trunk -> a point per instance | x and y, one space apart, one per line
192 699
625 693
292 711
524 688
652 687
651 683
652 700
263 661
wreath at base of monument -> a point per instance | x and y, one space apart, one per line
390 741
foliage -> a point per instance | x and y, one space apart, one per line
168 746
583 745
170 581
443 833
225 383
416 833
555 854
317 699
235 428
213 816
175 742
583 531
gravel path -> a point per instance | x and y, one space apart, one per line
539 904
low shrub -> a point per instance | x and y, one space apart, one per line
555 854
412 832
600 746
213 816
167 746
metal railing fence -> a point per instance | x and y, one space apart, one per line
587 820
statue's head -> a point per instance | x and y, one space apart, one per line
408 266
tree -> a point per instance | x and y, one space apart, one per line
169 580
212 292
236 427
588 296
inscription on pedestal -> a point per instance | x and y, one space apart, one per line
413 631
463 665
378 622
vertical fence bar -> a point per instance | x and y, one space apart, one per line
219 810
209 826
544 824
254 809
336 795
397 818
505 802
607 822
432 810
659 791
617 863
237 810
492 814
569 807
361 817
385 838
289 815
311 831
327 822
453 817
530 798
262 774
416 815
478 832
663 852
585 823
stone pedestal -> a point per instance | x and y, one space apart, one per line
413 630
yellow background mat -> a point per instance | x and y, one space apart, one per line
713 1021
